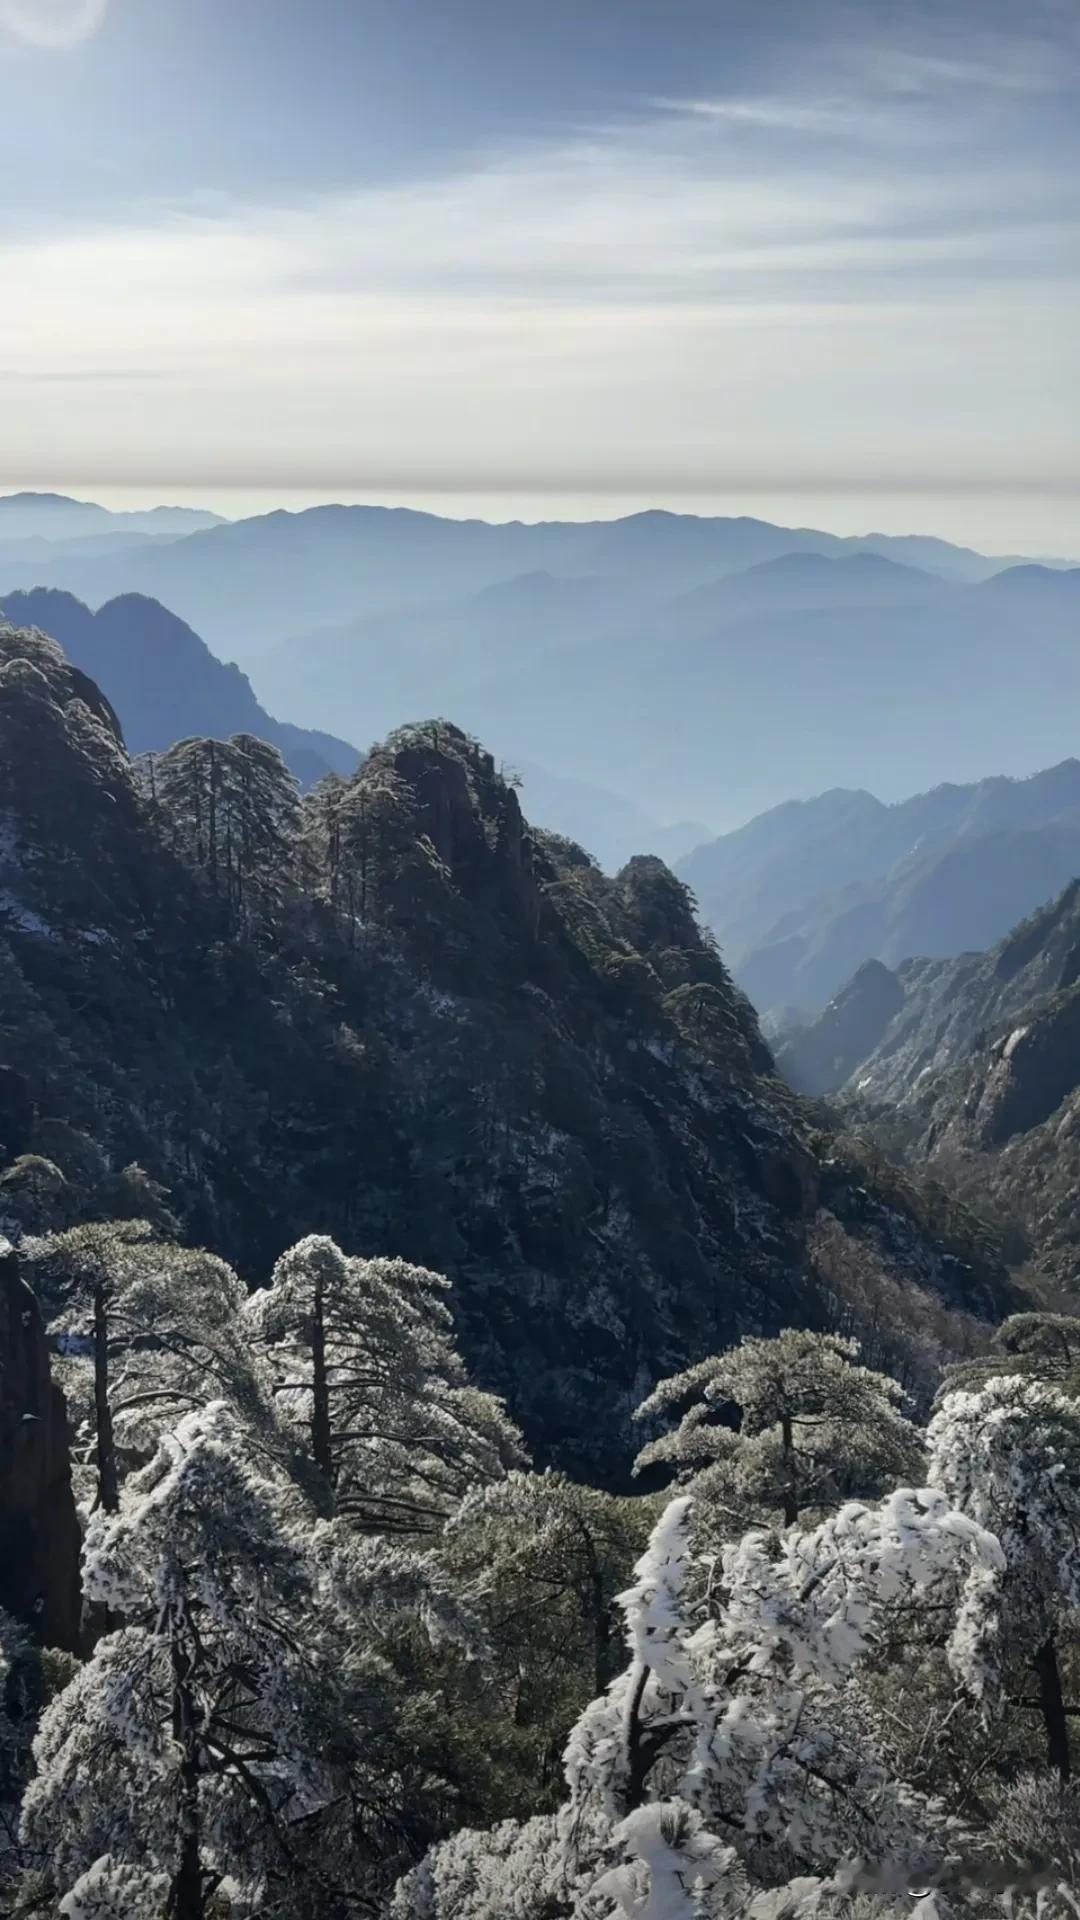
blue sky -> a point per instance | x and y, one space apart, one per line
815 261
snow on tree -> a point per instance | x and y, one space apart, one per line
116 1890
514 1871
1033 1346
1008 1454
728 1769
815 1429
191 1743
367 1372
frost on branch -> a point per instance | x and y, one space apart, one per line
193 1739
116 1890
367 1372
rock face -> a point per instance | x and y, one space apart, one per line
39 1531
1033 1070
978 1072
959 1018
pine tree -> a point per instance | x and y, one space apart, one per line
728 1752
367 1372
1008 1454
814 1429
144 1331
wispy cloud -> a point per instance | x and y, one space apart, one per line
55 25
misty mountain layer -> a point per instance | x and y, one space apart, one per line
700 669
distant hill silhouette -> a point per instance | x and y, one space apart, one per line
250 583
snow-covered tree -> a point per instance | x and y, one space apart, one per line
814 1429
1030 1346
1008 1454
367 1371
729 1764
249 1739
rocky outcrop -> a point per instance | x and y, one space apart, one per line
39 1530
956 1018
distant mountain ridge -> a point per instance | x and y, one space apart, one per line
164 682
803 895
55 516
692 668
717 701
348 561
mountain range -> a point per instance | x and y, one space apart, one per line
55 516
699 669
246 584
970 1067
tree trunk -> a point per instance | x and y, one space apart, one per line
637 1764
186 1891
788 1497
1052 1702
108 1479
320 1393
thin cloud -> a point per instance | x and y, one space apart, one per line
663 305
773 114
54 25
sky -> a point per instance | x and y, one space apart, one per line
819 263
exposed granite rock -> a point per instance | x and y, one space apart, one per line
39 1530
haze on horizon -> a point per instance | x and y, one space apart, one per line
549 261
